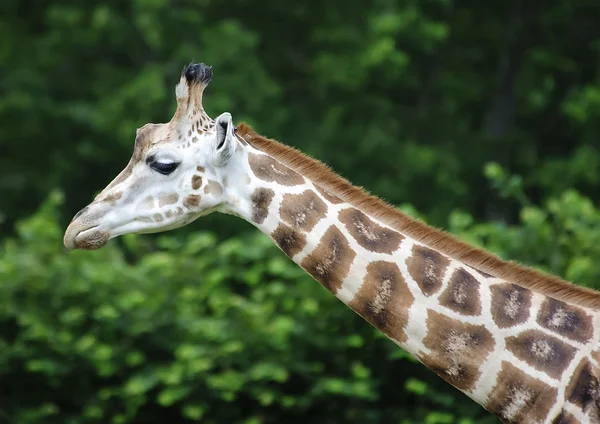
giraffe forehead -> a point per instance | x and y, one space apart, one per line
180 136
148 136
147 131
152 133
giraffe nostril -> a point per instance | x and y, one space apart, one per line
78 214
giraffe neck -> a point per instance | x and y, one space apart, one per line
522 355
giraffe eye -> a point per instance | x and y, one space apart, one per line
164 168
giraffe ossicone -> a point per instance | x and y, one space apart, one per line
524 345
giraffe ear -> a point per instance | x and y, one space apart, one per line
225 142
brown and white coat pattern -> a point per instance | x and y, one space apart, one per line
522 355
522 344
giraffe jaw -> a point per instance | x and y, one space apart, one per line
91 234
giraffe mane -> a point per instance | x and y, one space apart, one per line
323 176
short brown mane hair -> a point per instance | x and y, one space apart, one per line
483 261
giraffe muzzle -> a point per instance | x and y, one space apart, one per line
87 239
84 233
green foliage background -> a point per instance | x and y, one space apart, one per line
481 116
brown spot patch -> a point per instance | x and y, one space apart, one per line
302 211
384 299
146 137
288 239
565 418
268 169
520 398
510 304
157 217
458 349
427 267
169 214
330 261
167 199
200 169
462 293
213 187
328 196
543 352
596 355
147 203
196 182
368 233
191 201
112 198
566 320
583 389
321 174
261 200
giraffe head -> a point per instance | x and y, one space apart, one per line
175 174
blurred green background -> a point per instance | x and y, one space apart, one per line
482 116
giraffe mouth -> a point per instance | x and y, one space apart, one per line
90 238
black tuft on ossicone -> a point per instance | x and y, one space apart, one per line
198 73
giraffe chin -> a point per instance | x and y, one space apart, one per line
90 239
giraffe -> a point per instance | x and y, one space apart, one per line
522 344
